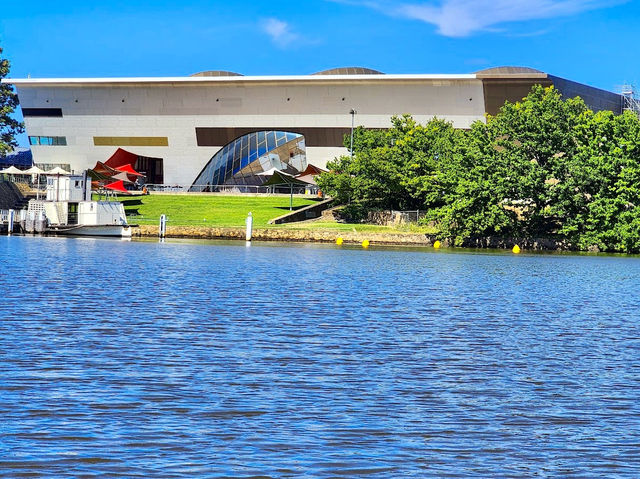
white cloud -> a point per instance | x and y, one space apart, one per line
461 18
279 31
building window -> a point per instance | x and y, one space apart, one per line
48 140
249 158
48 112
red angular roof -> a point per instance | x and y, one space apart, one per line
117 186
127 168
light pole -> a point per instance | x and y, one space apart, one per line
353 116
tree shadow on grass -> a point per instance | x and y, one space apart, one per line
133 202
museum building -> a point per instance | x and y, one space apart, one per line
221 128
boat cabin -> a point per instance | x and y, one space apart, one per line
73 188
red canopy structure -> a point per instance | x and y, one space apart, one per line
117 186
152 168
120 158
309 174
128 169
312 170
104 169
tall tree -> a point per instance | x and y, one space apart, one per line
9 126
606 180
542 167
402 167
517 173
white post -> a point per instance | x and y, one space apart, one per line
353 117
11 218
23 220
41 223
249 223
162 231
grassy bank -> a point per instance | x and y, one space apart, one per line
231 211
205 210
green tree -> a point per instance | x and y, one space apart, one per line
535 138
542 167
605 183
513 175
396 168
9 126
370 179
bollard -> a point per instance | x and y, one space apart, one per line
30 223
22 220
41 222
249 223
12 214
162 230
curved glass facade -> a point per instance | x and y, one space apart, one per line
245 160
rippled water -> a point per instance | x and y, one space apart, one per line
141 359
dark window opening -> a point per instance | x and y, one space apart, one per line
50 112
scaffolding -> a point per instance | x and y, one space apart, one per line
630 101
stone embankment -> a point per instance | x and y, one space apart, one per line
532 244
350 237
281 234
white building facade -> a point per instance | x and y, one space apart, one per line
184 121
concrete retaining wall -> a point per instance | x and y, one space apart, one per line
303 214
275 234
328 236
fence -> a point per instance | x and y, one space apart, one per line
231 189
392 217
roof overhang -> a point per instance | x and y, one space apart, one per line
239 80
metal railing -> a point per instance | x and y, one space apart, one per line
231 189
166 188
410 216
394 217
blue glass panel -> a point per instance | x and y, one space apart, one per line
250 153
271 140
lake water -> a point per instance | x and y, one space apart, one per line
186 359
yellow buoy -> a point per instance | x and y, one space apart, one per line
436 244
338 240
516 249
365 244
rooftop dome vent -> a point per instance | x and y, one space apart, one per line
508 71
349 71
216 73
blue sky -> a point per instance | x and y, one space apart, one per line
596 42
591 41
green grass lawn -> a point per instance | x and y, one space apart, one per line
231 212
208 210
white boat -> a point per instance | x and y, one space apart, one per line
68 209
